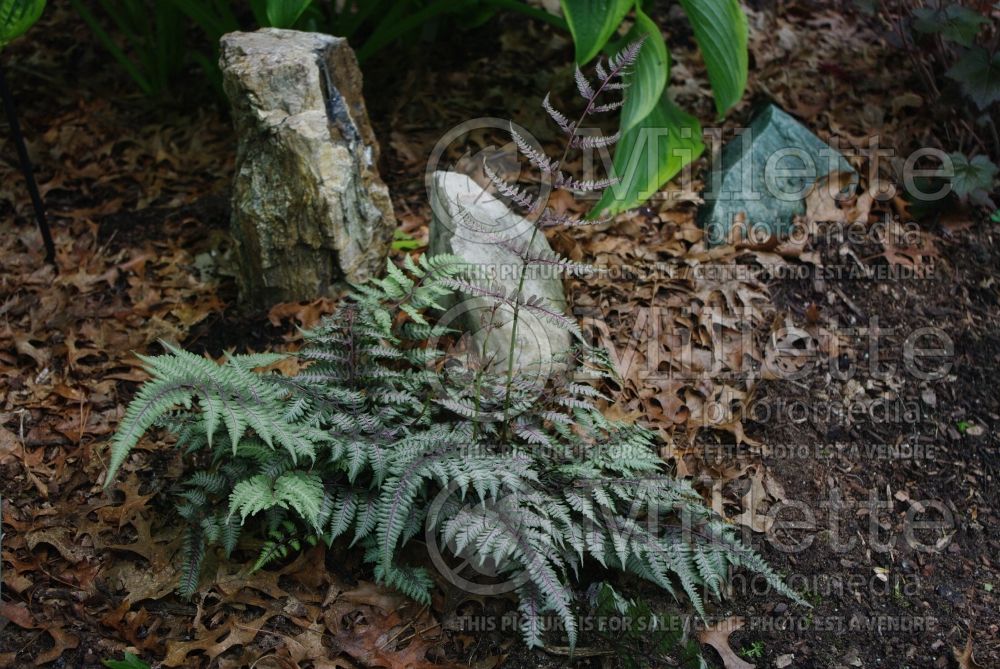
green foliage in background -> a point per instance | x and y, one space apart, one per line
657 138
158 42
958 43
637 633
953 22
130 661
151 44
973 64
973 178
978 73
16 16
279 13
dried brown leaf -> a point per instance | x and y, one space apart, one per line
717 636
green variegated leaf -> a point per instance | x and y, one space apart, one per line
972 175
16 16
284 13
592 23
648 77
720 26
650 154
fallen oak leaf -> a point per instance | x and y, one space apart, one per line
8 443
139 582
214 642
831 199
964 657
900 248
17 614
63 641
69 393
757 494
306 314
134 502
369 646
24 346
717 636
59 538
367 593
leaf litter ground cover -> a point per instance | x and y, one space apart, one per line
138 202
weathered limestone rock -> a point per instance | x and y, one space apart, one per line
309 208
762 177
465 217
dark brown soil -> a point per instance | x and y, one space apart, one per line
886 592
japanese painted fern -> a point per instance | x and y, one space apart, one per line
360 442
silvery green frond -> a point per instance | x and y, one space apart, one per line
595 141
537 158
557 116
355 446
627 56
587 91
570 183
515 194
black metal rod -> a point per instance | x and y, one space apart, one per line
29 175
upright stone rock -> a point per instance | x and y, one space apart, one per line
762 177
308 206
466 222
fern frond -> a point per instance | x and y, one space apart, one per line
595 141
602 74
608 106
514 193
568 182
627 56
414 582
537 158
557 116
550 219
284 540
252 496
154 400
583 86
303 493
536 305
193 553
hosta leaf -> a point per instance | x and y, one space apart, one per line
648 77
978 73
650 154
592 23
16 16
721 30
284 13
